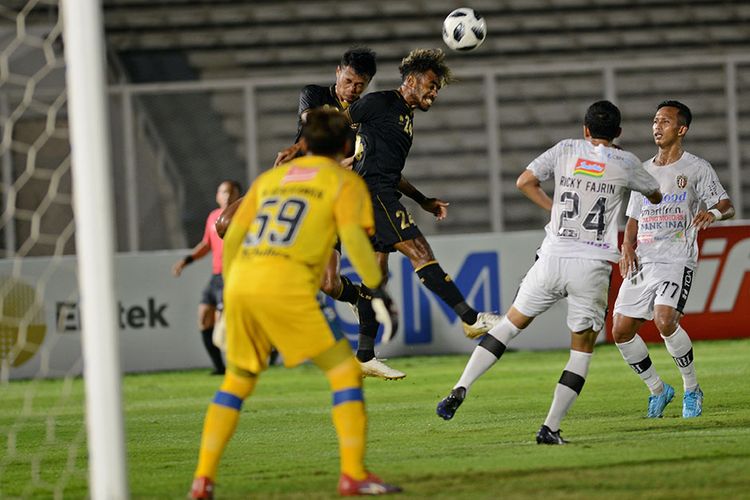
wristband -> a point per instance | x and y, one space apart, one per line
420 198
717 214
188 259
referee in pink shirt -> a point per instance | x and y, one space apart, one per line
211 304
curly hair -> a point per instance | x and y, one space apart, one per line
423 60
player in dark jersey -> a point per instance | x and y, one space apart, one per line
384 138
354 72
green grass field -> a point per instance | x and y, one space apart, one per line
285 445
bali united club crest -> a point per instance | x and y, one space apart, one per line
681 181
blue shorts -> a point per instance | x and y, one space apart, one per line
213 294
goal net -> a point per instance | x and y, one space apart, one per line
43 400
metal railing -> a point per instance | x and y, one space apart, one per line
492 78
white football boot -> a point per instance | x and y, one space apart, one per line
376 368
484 323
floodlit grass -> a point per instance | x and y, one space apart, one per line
285 446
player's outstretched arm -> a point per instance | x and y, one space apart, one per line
288 154
222 223
435 206
198 252
721 211
530 186
629 260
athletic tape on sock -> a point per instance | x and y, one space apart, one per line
347 395
572 380
493 345
226 399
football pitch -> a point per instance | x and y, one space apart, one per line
285 446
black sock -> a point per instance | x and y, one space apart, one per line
467 313
368 326
349 291
213 352
435 279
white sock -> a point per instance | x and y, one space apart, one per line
635 353
505 331
681 348
568 388
489 350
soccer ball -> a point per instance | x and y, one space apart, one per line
464 29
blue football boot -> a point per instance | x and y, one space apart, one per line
657 402
692 403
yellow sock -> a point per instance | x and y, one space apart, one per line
349 417
350 421
221 421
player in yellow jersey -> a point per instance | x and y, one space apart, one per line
275 252
353 74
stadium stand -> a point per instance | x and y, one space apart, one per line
221 39
205 131
265 36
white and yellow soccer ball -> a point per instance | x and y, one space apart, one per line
464 29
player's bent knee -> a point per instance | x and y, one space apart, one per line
666 319
331 286
206 316
666 327
345 376
517 318
584 341
340 367
239 385
621 337
623 329
333 356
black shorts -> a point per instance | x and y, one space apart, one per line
214 292
393 223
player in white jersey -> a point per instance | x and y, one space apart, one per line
658 273
591 177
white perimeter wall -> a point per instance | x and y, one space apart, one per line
158 313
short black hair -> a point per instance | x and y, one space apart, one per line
603 120
326 131
683 112
423 60
361 60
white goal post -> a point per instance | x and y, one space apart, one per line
93 205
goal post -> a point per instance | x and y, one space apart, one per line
83 32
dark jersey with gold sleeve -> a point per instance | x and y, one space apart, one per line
315 96
383 140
